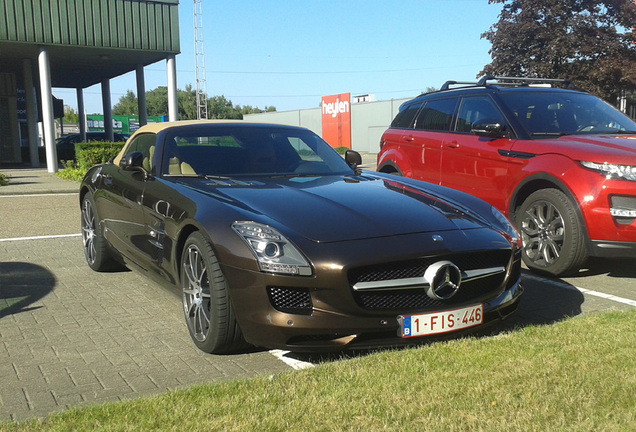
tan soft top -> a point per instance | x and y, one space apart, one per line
158 127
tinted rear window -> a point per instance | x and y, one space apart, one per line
404 119
436 115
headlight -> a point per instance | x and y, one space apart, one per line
508 229
274 253
612 171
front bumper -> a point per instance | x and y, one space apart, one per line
606 206
326 329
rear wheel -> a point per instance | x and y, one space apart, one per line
552 235
206 302
95 248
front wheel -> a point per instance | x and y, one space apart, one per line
206 303
552 235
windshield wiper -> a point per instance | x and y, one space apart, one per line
292 175
215 177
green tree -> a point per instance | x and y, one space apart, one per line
219 107
157 101
127 105
588 41
70 115
187 101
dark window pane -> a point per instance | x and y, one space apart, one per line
404 119
479 109
436 115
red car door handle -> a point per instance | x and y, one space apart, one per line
408 138
451 144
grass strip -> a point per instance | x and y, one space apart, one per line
575 375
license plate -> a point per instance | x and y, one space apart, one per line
441 322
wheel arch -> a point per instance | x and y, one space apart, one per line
82 193
390 167
537 182
184 233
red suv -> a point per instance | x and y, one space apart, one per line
560 163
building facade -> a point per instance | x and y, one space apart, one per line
75 44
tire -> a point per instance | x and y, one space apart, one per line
553 236
96 250
206 303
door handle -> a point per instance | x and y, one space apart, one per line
451 144
408 138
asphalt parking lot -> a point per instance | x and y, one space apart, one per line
71 337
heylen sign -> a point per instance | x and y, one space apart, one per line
336 119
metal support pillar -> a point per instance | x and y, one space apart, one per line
44 68
173 106
108 110
81 113
31 114
141 96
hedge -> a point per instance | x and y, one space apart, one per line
96 152
87 155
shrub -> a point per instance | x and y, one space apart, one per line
3 180
94 152
89 154
71 171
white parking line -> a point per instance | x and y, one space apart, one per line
38 195
39 237
295 364
583 290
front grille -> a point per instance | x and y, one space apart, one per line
290 300
416 299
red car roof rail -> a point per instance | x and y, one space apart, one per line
523 81
447 84
507 81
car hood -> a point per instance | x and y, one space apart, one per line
595 148
339 208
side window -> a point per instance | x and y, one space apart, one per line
404 119
436 115
477 109
144 143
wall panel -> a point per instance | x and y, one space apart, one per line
127 24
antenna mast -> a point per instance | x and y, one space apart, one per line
201 90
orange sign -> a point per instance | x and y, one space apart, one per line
336 119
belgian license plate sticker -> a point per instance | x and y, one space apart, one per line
441 322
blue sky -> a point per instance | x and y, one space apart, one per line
289 53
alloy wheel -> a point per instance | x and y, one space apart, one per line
196 293
88 231
542 233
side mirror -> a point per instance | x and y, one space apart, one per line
353 158
133 162
490 129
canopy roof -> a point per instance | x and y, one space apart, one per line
87 40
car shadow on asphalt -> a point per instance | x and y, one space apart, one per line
544 302
612 267
23 285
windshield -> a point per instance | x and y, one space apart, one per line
555 113
244 150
